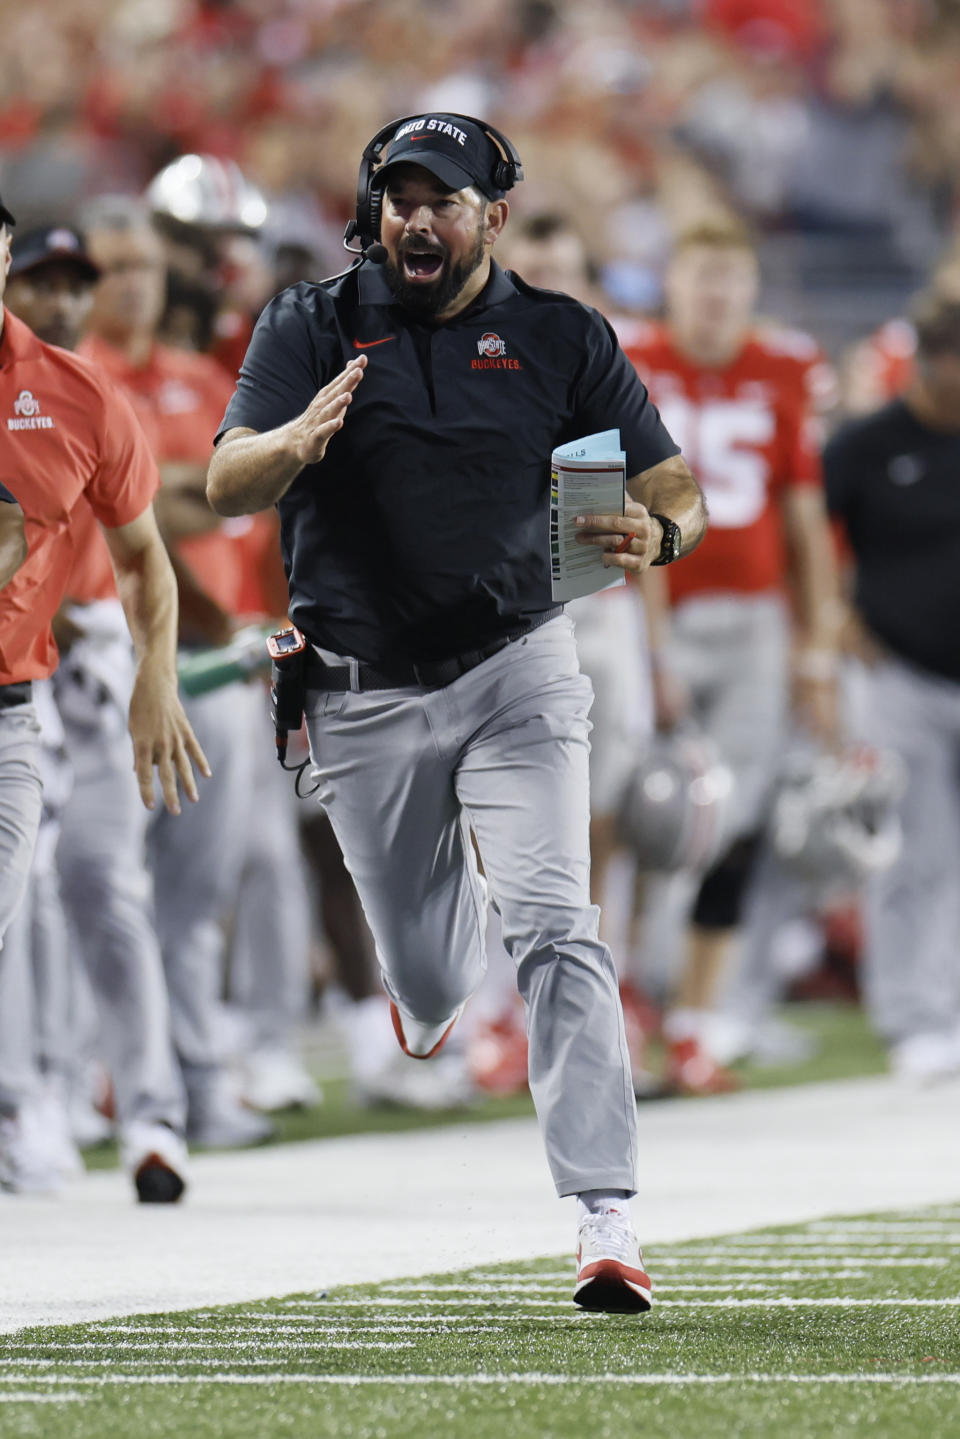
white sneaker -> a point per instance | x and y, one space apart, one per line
156 1160
610 1273
404 1084
274 1080
29 1162
418 1040
53 1119
925 1058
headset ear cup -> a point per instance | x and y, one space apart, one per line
503 175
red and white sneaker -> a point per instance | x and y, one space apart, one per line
422 1041
610 1272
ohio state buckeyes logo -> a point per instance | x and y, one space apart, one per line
26 409
26 404
491 344
493 354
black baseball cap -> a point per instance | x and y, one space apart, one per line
5 215
455 150
45 244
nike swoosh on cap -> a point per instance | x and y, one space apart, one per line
368 344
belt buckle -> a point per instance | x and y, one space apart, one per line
353 665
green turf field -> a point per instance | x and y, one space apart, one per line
842 1327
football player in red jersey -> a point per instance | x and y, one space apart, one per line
756 607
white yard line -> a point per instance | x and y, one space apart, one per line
120 1347
375 1207
466 1380
777 1268
517 1306
756 1260
66 1397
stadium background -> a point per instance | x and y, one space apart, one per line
833 125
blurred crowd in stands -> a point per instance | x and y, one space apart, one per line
834 125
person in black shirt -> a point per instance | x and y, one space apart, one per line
402 417
893 478
13 544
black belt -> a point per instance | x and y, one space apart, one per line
430 674
16 694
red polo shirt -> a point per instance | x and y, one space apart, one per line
66 437
182 397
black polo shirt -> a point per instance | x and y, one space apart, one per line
423 532
895 483
6 496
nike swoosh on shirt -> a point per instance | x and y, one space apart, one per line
368 344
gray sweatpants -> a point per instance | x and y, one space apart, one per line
21 802
107 893
196 858
912 971
405 774
270 953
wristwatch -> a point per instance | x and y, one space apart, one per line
671 543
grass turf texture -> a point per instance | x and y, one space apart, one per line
842 1327
846 1050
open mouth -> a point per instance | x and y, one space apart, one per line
421 264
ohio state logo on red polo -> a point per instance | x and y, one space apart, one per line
493 354
27 416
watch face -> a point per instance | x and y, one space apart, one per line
671 543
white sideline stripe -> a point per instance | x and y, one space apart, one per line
321 1326
354 1380
67 1397
187 1344
743 1256
577 1315
518 1305
825 1241
883 1226
116 1362
717 1286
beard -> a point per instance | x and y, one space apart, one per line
424 301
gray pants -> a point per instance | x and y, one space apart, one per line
197 857
21 802
270 956
912 972
405 774
732 653
108 896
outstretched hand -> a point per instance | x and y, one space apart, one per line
312 431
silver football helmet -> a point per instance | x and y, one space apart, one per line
675 809
834 819
208 192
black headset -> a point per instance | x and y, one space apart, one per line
505 171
